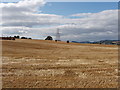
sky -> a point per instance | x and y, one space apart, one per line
68 8
67 0
77 21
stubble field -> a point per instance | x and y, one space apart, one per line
50 64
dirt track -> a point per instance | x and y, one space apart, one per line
49 64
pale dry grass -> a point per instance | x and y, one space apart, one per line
49 64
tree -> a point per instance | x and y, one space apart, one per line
17 37
49 38
67 41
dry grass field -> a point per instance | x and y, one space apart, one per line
50 64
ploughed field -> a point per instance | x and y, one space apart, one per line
50 64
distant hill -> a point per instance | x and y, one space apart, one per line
108 42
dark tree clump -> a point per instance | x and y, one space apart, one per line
23 37
17 37
67 41
49 38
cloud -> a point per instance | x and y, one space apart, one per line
25 19
26 13
30 20
94 26
22 6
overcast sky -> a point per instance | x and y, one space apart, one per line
77 21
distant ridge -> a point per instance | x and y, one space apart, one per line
108 42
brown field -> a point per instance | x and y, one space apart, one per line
50 64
